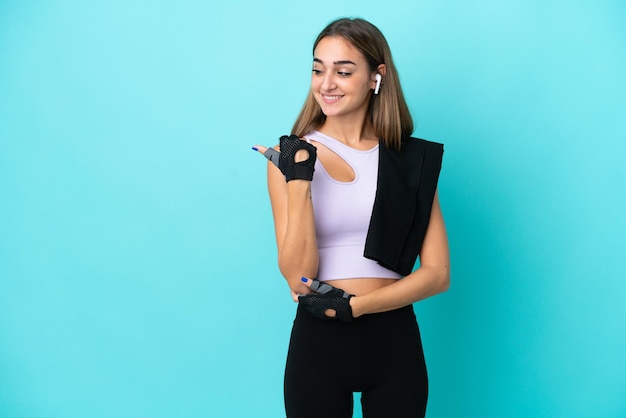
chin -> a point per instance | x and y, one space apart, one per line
330 110
331 114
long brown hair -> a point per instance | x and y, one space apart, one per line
387 111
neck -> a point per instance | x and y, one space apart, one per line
354 132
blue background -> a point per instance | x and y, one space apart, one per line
138 269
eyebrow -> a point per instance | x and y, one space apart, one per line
342 62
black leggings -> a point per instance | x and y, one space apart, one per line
379 355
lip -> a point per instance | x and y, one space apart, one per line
331 98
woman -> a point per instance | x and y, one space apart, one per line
348 237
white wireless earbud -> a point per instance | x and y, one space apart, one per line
378 78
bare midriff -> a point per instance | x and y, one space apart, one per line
361 286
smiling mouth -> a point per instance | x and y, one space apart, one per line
330 99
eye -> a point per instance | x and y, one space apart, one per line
316 71
344 73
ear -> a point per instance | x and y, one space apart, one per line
382 70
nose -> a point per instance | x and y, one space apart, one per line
328 83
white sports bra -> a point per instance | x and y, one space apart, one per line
342 213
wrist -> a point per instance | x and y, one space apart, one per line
356 303
299 186
299 191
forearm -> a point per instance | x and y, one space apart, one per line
424 282
298 255
431 278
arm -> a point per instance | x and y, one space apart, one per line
294 226
432 277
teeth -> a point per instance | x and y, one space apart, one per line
331 97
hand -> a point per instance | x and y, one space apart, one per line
326 301
296 159
298 288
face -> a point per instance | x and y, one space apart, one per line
342 81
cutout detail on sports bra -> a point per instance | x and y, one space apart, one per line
336 167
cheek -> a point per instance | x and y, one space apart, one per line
361 89
357 86
315 83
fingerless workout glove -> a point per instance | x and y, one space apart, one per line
293 170
285 159
327 297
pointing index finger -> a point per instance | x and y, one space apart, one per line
269 153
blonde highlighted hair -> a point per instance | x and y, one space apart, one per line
387 111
